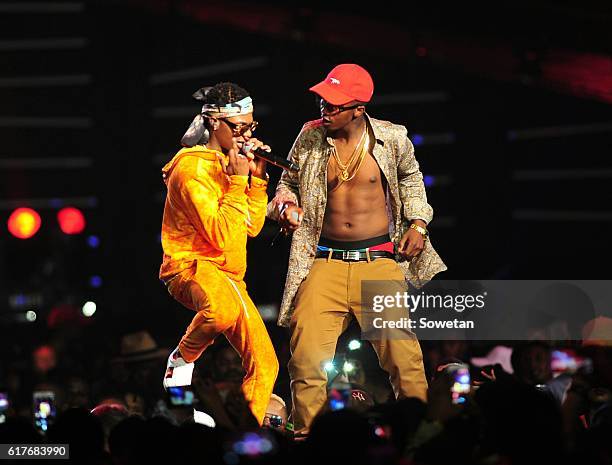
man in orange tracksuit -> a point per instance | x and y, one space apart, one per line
211 207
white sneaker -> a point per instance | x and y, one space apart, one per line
203 419
178 371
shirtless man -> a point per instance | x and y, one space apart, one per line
357 205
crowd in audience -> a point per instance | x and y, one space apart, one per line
524 406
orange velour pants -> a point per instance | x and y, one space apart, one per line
223 306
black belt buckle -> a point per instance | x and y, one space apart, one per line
351 255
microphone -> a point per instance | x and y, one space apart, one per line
271 158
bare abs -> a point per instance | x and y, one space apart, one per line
357 209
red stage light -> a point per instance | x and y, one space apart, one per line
71 220
24 223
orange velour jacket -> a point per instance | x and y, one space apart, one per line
208 214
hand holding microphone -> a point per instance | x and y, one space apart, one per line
238 164
290 216
259 150
257 165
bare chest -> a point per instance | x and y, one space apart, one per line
365 176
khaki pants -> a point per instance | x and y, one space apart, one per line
326 301
223 306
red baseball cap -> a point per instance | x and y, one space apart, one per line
345 83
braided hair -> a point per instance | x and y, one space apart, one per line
221 94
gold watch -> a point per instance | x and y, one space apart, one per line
420 229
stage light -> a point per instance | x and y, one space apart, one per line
329 366
348 367
417 139
95 281
252 445
354 344
93 242
24 223
89 308
25 301
31 316
429 180
71 220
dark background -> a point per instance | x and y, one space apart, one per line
509 108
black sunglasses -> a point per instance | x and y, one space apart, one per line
332 109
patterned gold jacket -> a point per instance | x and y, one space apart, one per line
406 201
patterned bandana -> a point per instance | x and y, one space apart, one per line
197 128
241 107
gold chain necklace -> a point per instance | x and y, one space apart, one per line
342 177
344 169
362 154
